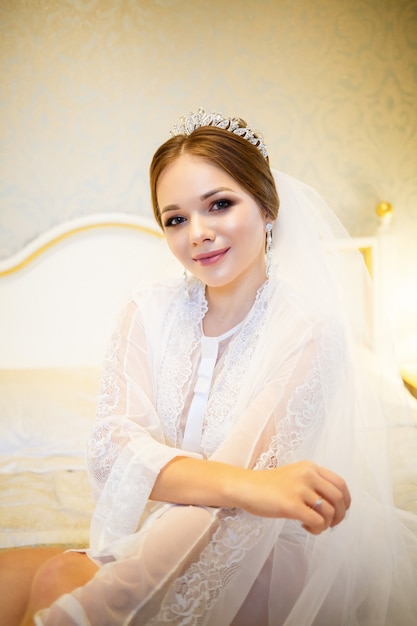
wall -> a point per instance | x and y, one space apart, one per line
91 87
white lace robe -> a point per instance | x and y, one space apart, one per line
274 398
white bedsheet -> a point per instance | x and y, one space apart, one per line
45 418
48 508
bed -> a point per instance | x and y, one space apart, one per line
59 299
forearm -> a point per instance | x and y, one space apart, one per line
186 480
290 491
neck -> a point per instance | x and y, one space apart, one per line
228 306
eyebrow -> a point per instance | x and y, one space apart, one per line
208 194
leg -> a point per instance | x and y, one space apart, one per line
60 574
17 569
139 580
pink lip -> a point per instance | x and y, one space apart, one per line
209 258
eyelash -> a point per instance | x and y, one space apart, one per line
170 222
224 201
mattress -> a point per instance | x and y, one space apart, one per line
45 418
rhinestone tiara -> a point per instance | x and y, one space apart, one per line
192 121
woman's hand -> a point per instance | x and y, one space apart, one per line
302 491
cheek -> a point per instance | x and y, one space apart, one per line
250 230
172 245
175 244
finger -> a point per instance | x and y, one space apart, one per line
333 503
322 514
314 522
316 514
337 482
333 489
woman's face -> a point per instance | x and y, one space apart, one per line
212 226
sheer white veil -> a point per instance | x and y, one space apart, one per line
310 246
365 570
369 561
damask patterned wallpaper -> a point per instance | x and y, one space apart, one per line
91 87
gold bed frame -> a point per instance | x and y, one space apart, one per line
71 229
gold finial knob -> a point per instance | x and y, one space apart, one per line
384 209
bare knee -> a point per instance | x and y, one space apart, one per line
18 567
64 572
59 575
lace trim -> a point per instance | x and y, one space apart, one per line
101 449
101 452
109 395
304 413
176 366
194 593
306 407
124 498
227 384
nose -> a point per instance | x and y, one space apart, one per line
200 230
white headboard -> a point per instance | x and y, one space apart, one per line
60 296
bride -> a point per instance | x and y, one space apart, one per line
238 456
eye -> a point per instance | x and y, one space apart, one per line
174 221
221 205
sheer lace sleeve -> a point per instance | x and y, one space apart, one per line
127 447
281 419
309 399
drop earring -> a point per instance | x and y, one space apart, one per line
268 249
186 291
